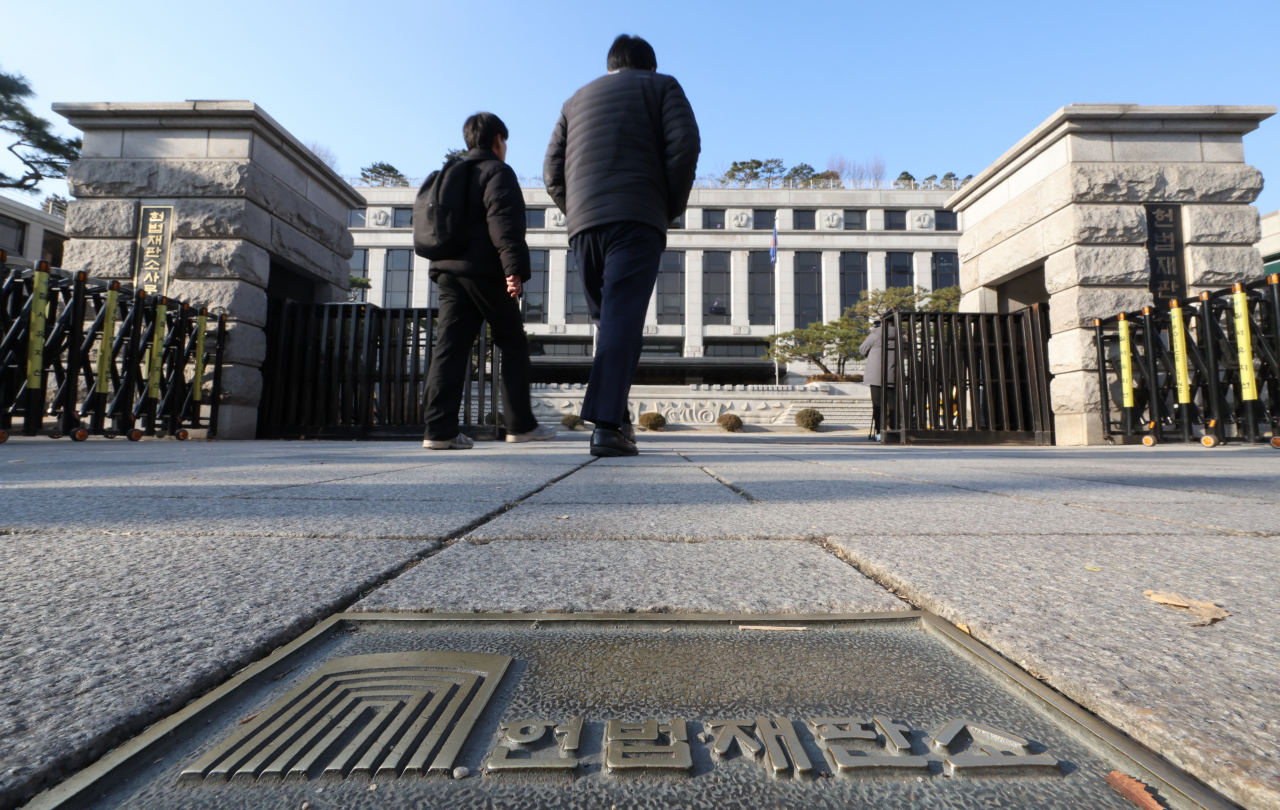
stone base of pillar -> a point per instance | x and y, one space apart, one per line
1077 429
237 423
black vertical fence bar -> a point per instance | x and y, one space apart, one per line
900 379
1022 420
1104 390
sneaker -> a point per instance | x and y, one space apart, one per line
539 434
460 442
606 443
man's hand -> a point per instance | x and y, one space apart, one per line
515 286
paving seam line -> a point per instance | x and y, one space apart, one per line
745 495
1234 532
507 507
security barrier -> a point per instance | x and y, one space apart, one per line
968 378
103 359
1203 369
357 371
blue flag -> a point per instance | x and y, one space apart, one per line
773 248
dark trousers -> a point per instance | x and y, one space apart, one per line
891 404
465 303
618 263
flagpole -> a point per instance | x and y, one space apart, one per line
777 298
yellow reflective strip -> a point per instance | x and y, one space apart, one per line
36 336
1126 365
1244 348
157 352
101 384
198 379
1178 331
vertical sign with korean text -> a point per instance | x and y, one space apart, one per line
154 237
1164 247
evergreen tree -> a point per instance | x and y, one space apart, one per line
44 155
383 174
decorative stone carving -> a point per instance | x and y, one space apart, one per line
381 218
833 220
651 330
923 221
742 330
557 218
741 220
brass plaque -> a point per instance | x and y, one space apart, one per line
155 237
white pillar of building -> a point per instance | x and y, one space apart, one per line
830 285
784 284
875 270
693 303
420 285
875 219
922 267
739 287
377 274
556 286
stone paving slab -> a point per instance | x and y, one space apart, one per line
1207 698
103 635
370 519
490 480
637 485
716 576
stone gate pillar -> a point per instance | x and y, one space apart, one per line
256 215
1061 218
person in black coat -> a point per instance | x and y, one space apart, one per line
620 165
481 285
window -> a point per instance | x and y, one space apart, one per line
762 219
562 348
895 220
575 298
946 270
855 220
535 289
12 234
715 287
662 347
713 219
898 271
808 267
433 295
403 218
670 288
759 288
677 223
853 279
360 267
944 220
735 349
535 217
804 220
397 280
355 218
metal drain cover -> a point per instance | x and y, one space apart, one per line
585 711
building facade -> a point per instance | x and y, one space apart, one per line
718 294
29 235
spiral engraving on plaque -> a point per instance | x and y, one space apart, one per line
381 716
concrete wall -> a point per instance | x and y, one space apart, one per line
248 198
38 223
1068 199
1269 245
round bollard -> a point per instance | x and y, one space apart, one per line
135 435
1209 440
1149 441
79 434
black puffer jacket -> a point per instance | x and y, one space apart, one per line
624 150
495 218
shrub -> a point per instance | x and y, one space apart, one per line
571 421
830 378
730 422
652 421
492 418
809 419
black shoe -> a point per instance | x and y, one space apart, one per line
606 443
628 432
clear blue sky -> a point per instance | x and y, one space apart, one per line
931 87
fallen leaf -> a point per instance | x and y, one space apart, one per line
250 717
666 629
964 627
1133 790
17 461
767 627
559 517
1207 612
1175 599
373 786
282 674
306 806
1087 568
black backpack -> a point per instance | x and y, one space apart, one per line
440 213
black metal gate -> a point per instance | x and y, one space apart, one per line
969 378
358 371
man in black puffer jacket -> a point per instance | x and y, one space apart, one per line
481 284
620 165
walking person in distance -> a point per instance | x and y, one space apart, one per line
876 376
480 282
620 165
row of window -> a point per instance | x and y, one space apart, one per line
652 347
713 219
899 271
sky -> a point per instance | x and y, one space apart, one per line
930 87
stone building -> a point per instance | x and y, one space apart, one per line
1269 245
29 235
717 295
